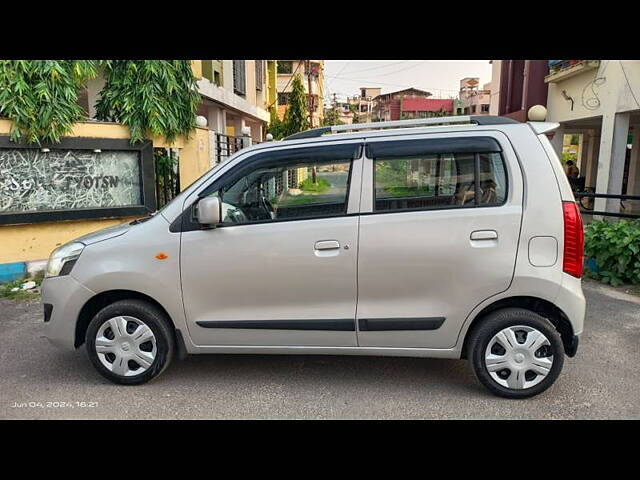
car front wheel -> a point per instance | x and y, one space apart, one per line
130 342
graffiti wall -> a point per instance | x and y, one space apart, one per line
63 179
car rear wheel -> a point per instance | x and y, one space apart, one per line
516 353
130 342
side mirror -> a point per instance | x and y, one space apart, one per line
209 211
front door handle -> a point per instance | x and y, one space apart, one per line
327 245
484 235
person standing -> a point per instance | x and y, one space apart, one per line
571 170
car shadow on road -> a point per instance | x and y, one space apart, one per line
382 374
447 376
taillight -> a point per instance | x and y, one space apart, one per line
573 240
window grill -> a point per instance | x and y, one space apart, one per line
259 74
239 77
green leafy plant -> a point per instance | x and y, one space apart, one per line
41 96
566 156
156 96
296 117
615 248
6 288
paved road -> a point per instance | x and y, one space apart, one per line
603 381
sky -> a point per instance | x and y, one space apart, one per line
440 77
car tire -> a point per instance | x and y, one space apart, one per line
509 368
127 336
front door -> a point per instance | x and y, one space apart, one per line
438 236
281 269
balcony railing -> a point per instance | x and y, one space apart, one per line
562 69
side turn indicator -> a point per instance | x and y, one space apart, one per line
161 256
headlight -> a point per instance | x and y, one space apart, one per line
63 258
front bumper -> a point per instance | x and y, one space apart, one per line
66 297
571 346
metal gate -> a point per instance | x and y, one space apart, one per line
167 175
585 200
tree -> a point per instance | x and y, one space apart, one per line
295 118
41 96
354 111
331 117
276 126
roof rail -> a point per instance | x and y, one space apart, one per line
355 127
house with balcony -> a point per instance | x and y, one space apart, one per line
364 103
473 100
312 73
599 101
236 97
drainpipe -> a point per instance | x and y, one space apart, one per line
509 85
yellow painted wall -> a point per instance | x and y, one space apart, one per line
194 157
196 66
19 243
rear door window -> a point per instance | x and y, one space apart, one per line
437 174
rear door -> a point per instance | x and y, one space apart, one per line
439 228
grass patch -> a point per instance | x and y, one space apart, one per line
409 191
299 200
321 185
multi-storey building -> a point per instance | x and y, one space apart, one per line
312 73
516 86
236 98
388 106
473 101
364 103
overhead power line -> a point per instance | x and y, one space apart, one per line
359 80
375 68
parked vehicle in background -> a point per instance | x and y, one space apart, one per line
461 240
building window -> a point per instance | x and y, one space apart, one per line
473 109
314 69
239 77
484 108
285 67
259 74
212 71
283 98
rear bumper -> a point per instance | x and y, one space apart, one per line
64 297
571 301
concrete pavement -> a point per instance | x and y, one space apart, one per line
37 381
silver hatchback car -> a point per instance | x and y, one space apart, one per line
453 237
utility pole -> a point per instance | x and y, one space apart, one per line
310 97
310 102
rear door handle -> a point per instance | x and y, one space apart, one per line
327 245
484 235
